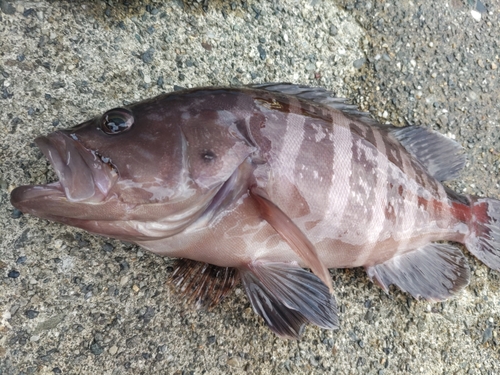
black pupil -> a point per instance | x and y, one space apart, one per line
116 124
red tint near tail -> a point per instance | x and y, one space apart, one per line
484 239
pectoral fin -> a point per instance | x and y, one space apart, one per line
292 234
287 297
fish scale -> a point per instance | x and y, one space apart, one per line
255 184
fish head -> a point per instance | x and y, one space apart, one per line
143 171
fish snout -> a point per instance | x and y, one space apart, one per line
83 174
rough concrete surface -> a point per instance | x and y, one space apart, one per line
73 303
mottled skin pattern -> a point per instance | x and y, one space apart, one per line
265 181
352 188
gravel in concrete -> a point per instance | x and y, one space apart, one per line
73 303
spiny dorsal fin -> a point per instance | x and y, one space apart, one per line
435 272
321 96
203 284
441 156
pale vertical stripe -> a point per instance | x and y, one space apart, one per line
377 223
292 142
339 192
410 205
378 206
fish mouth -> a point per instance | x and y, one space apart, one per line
84 175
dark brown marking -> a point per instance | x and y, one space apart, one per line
433 183
423 203
356 129
255 124
311 224
291 104
418 174
363 131
393 151
390 213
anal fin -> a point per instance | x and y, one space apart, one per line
287 297
435 272
203 284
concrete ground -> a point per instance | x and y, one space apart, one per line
73 303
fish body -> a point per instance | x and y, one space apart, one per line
258 182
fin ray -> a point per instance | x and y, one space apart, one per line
321 96
484 240
441 156
287 296
203 284
435 272
280 319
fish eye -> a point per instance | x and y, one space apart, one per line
117 120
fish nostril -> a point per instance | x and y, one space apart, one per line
208 156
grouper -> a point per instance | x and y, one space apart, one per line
270 185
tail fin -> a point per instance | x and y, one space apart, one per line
484 239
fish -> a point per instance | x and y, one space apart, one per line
271 186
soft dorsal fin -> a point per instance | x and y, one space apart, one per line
321 96
441 156
203 284
292 234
